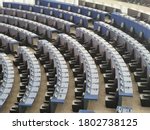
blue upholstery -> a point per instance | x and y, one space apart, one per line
132 22
77 18
87 11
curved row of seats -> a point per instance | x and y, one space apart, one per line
139 29
105 7
84 69
109 59
112 64
41 29
30 77
132 45
8 44
6 77
60 24
66 15
90 12
57 74
24 36
54 101
133 53
34 17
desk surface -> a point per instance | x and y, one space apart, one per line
123 109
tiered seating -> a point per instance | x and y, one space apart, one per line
133 53
66 15
41 29
105 7
84 70
139 14
6 77
57 75
116 73
83 54
87 11
24 36
8 44
138 29
30 77
60 24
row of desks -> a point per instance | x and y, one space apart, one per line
41 29
66 15
92 78
19 33
87 11
117 62
130 22
9 42
61 87
8 78
123 38
34 77
60 24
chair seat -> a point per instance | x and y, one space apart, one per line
44 108
78 91
110 101
110 88
77 105
108 76
142 86
145 100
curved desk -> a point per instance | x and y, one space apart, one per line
92 78
34 78
117 62
8 78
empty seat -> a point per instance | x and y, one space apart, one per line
77 105
143 85
145 100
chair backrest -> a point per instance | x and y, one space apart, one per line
97 49
122 26
0 42
141 36
104 55
109 62
145 70
113 72
131 30
149 80
52 63
132 54
81 67
99 30
0 68
116 82
107 35
72 52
